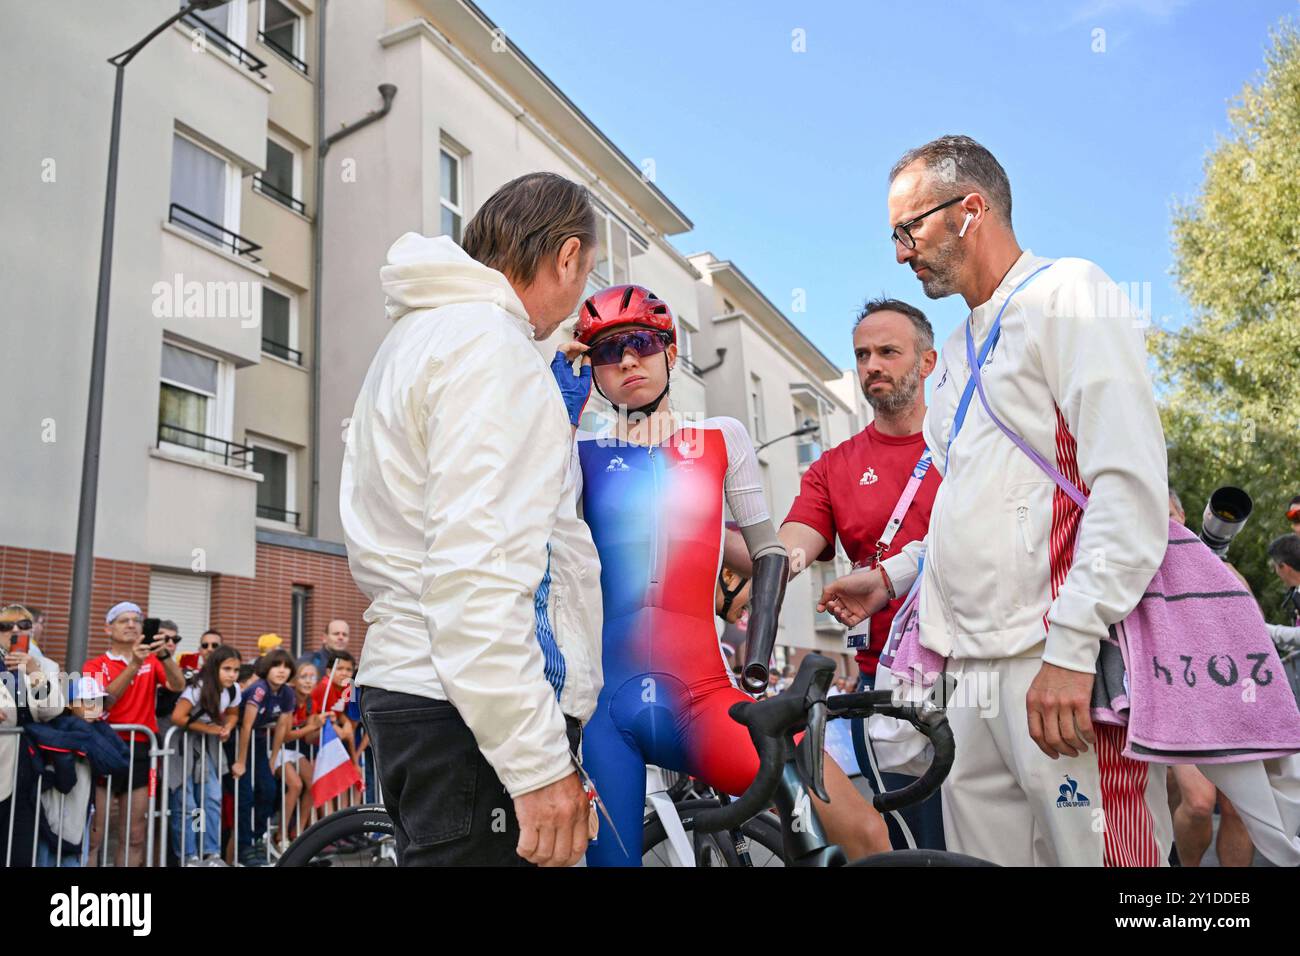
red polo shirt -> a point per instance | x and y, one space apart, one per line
138 702
850 492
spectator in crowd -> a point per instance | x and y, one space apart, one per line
302 740
26 694
333 697
1293 514
171 637
266 643
1284 559
268 713
130 672
333 639
207 710
247 675
208 643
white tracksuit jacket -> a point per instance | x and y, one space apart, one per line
1069 376
460 516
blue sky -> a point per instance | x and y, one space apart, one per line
781 158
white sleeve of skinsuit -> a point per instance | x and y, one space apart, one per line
498 445
1094 360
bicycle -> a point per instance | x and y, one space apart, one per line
669 834
355 836
788 771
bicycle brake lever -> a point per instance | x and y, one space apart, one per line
809 756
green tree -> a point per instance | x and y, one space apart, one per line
1230 377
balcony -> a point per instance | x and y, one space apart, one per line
281 351
280 51
226 45
209 448
278 514
279 195
214 232
809 452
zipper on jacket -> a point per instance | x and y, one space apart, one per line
654 519
1022 518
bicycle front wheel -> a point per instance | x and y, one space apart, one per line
761 844
357 836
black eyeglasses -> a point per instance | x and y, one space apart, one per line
902 232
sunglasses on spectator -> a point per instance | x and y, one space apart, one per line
24 625
643 342
209 647
171 638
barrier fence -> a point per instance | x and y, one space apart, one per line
179 801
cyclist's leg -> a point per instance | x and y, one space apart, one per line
617 769
924 820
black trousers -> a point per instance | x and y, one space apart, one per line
448 806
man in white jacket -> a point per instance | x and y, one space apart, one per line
482 656
1019 586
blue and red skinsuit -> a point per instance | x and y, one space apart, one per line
656 517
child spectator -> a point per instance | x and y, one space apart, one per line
300 747
208 710
269 704
333 697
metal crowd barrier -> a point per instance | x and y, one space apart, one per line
187 748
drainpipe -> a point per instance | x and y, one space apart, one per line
387 91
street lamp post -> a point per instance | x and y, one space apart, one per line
84 556
807 428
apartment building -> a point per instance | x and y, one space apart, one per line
203 483
219 470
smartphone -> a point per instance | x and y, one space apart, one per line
151 632
21 642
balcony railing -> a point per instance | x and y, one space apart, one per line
278 514
213 231
280 350
225 44
296 63
229 453
279 195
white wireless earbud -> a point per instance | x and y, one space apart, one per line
969 217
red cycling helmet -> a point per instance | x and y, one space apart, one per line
623 305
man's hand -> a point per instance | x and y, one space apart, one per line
854 597
553 823
1059 702
140 650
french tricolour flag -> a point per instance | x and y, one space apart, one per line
335 772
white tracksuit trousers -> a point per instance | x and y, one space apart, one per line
1007 802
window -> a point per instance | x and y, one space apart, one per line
282 31
450 191
298 619
187 400
282 179
224 27
757 425
616 245
204 192
727 307
685 342
275 495
280 325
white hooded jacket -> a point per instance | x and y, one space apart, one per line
459 511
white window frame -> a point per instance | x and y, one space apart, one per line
236 26
230 216
290 478
758 420
636 246
299 32
221 408
686 331
293 150
293 318
460 156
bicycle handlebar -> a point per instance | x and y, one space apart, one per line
929 720
772 724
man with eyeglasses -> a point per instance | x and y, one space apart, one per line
1019 586
130 672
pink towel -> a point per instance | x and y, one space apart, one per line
1205 681
903 654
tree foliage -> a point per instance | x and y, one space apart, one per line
1230 377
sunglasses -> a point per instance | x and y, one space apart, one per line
24 625
171 638
209 647
643 342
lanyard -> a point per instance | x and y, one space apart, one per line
994 333
904 502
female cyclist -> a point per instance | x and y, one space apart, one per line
652 493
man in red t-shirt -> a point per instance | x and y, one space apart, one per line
851 491
130 673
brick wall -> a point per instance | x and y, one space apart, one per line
241 608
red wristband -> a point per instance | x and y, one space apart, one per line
889 585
